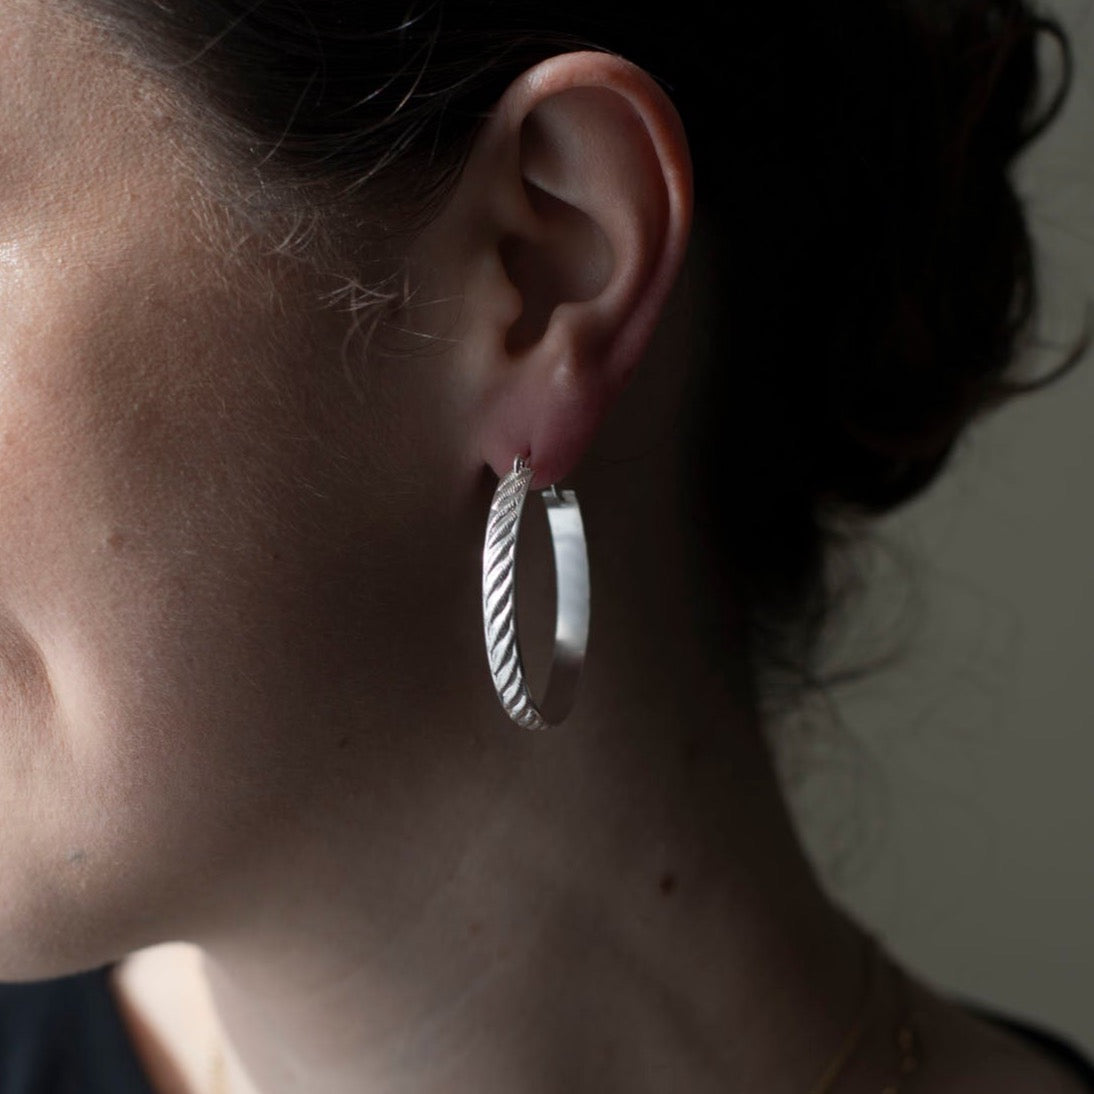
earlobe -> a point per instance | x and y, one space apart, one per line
581 181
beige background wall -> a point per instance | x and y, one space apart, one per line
961 825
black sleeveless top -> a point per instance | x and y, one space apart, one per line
67 1036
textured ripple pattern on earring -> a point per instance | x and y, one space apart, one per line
499 599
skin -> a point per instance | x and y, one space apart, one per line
249 735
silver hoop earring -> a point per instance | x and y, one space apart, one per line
499 599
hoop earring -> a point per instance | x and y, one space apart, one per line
499 606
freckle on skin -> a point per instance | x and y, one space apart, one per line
667 884
343 742
115 541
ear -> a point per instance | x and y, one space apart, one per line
566 232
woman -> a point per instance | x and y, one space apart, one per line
288 290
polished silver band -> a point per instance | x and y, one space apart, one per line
499 599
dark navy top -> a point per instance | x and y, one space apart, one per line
67 1036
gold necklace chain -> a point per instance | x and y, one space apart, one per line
906 1039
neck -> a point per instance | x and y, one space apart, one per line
573 910
620 904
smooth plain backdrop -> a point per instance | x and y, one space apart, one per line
952 804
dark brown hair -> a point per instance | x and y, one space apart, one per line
871 254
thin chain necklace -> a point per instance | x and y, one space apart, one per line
907 1042
909 1050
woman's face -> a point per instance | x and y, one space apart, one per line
182 517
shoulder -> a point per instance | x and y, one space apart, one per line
974 1048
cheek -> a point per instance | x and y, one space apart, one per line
154 585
